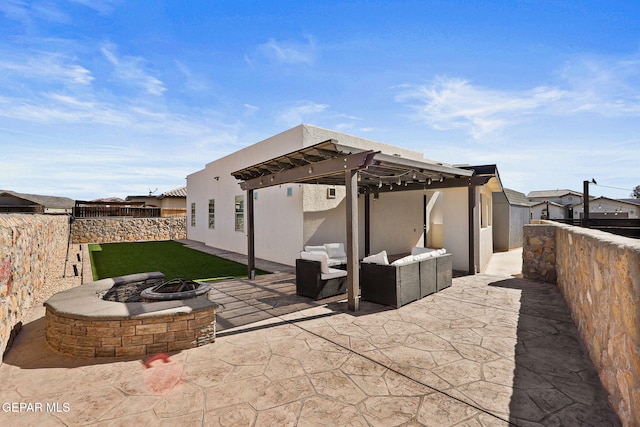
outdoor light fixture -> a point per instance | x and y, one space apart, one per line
310 169
441 178
271 178
380 184
399 182
428 181
414 175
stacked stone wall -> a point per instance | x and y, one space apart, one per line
126 229
28 245
598 274
539 253
83 336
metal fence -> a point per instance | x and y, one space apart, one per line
107 211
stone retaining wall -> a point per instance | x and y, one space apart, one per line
126 229
28 245
598 274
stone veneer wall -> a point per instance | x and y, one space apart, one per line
83 336
599 275
126 229
28 245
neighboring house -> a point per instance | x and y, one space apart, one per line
550 210
172 202
176 198
604 207
560 197
553 204
12 202
511 212
289 215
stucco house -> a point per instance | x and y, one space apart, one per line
553 204
604 207
172 199
11 202
447 206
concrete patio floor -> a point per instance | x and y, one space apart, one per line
489 351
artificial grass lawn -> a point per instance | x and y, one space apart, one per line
171 258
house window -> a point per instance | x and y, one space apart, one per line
289 191
331 193
212 213
239 213
193 214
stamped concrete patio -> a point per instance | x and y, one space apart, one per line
489 351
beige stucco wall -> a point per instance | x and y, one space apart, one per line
278 217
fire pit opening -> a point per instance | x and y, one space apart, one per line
175 289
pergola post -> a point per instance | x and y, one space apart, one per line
251 254
367 223
353 274
472 233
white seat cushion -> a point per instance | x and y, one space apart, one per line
310 248
379 258
336 261
403 261
420 250
333 273
335 250
317 256
424 255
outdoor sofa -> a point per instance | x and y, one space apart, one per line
315 279
407 279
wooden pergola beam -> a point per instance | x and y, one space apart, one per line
313 171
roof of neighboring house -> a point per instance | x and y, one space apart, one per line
516 198
632 201
176 192
549 204
552 193
108 200
52 202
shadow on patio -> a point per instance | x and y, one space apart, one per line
554 381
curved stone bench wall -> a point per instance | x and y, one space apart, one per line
80 323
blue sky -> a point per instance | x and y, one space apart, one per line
103 98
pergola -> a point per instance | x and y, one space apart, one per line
363 172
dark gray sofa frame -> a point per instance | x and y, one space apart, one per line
310 284
399 285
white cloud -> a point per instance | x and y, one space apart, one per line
609 86
102 6
290 52
605 86
452 103
48 66
130 70
301 112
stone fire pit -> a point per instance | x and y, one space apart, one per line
81 323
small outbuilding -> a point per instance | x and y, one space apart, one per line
511 212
